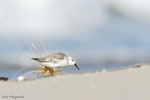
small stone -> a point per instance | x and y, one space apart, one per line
21 78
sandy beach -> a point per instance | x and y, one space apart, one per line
131 83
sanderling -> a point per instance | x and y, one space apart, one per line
55 60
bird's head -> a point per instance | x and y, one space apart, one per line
72 61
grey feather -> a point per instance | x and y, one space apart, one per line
53 58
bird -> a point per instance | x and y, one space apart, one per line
55 61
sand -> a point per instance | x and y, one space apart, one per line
126 84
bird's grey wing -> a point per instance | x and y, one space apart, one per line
56 57
53 58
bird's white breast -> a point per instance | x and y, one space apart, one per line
62 63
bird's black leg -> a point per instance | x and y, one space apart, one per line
50 70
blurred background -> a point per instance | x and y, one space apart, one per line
100 34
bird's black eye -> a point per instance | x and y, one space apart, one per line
72 59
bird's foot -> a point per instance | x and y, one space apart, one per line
47 71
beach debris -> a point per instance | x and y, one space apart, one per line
3 79
137 66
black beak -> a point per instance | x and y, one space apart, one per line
77 66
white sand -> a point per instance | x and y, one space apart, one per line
127 84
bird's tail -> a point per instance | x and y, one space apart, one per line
37 59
